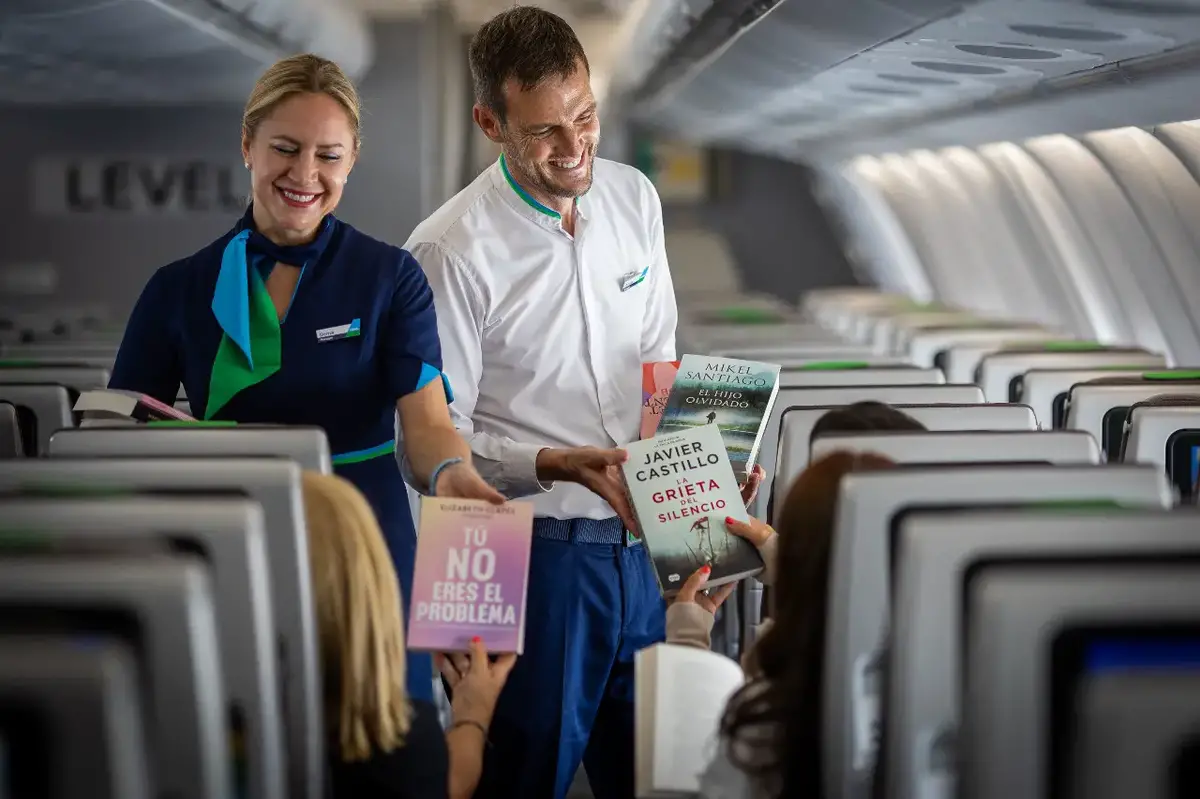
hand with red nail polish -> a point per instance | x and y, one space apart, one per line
476 682
753 481
692 590
753 530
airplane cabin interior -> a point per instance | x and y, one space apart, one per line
959 238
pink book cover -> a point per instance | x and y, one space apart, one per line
471 575
657 378
163 411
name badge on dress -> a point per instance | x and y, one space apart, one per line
350 330
631 279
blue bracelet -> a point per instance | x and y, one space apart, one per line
437 471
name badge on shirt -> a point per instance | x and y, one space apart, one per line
339 332
631 279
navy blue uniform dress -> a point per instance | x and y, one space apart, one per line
360 333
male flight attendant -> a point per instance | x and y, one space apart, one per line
550 279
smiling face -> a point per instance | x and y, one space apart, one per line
549 134
299 156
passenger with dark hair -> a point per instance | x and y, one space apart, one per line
864 416
770 735
690 620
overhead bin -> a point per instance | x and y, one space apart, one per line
201 50
789 78
764 47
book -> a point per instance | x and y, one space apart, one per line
657 378
682 488
734 395
471 575
679 695
111 403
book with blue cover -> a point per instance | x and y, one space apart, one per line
734 395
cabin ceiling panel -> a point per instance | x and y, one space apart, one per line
818 76
134 52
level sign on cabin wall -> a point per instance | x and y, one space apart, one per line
138 186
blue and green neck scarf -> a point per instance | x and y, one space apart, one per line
250 350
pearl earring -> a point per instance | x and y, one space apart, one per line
247 165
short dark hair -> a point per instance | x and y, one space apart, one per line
864 416
526 43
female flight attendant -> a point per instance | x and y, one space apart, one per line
294 317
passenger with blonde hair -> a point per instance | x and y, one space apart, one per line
295 317
383 744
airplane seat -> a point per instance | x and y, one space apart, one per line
72 717
41 409
12 442
1044 641
211 500
1135 727
161 605
228 533
1165 431
867 575
1183 140
1102 406
939 557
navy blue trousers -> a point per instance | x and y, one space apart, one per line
592 604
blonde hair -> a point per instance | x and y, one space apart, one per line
358 606
301 74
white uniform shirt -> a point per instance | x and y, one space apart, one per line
543 334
